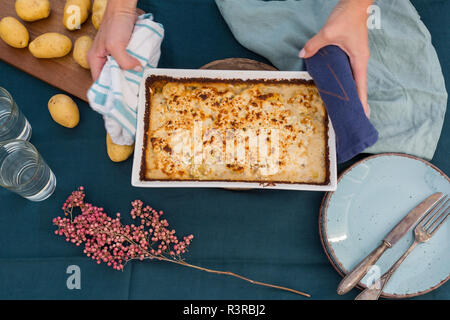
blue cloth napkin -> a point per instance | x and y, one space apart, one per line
331 71
405 85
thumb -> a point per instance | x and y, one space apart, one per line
125 60
312 46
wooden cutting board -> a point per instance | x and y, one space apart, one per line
63 73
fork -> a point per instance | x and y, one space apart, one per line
423 232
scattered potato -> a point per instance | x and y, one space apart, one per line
98 10
76 13
87 4
50 45
14 33
32 10
116 152
80 50
64 111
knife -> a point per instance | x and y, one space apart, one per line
406 224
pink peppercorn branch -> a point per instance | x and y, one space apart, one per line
107 240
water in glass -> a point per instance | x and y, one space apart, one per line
13 124
24 171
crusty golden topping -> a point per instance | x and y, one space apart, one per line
270 131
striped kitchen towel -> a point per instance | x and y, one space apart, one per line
115 94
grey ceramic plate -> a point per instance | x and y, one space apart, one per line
372 196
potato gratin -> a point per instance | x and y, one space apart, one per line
269 131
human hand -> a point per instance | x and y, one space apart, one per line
346 27
113 36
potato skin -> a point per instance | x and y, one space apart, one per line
87 4
64 111
116 152
98 11
14 33
68 18
50 45
80 50
32 10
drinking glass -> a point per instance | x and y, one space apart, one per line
13 124
24 171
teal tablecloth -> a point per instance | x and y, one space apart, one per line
266 235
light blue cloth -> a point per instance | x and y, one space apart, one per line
406 88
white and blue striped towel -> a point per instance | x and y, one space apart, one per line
115 93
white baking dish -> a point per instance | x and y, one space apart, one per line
223 74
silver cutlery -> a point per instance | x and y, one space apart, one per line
405 225
422 233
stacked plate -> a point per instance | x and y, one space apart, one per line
372 197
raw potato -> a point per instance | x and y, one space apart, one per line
32 10
64 111
80 50
50 45
87 4
14 33
116 152
98 10
72 20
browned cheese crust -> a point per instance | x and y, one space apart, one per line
199 129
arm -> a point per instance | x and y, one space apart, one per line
346 27
113 36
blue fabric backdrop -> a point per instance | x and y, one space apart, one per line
266 235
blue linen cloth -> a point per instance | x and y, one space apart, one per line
331 71
115 94
285 251
406 89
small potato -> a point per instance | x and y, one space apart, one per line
98 10
116 152
87 4
50 45
14 33
64 111
32 10
76 13
80 50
